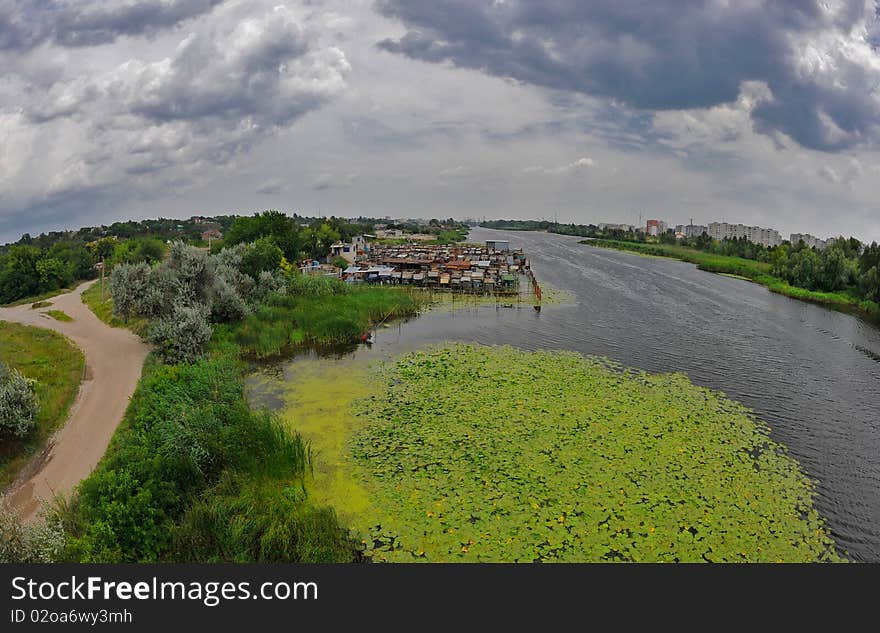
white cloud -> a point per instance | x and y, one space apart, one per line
577 165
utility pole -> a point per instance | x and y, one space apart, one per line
102 280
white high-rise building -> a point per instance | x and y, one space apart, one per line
755 234
811 241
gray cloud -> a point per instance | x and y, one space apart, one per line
25 24
239 74
816 58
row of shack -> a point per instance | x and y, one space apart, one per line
489 269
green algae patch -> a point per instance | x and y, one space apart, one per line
473 453
452 302
316 402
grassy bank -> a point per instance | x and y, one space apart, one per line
328 316
492 454
758 272
57 366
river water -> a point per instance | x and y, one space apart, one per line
812 374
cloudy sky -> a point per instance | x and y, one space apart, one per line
762 112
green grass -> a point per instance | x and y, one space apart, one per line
57 366
103 309
751 270
40 304
59 315
474 453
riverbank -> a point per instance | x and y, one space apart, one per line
750 270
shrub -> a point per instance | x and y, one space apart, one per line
194 272
128 287
18 402
182 336
41 542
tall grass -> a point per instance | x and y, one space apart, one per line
321 311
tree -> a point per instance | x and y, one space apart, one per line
836 271
19 276
805 268
871 284
262 255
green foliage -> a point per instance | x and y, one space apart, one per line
148 250
40 542
194 474
18 402
29 271
55 368
495 454
261 255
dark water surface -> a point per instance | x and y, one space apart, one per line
812 374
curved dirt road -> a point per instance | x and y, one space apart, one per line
114 359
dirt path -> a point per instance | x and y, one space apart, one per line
114 359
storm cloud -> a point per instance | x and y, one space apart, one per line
816 58
590 111
25 24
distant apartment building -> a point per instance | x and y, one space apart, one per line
655 227
756 234
812 241
616 227
691 230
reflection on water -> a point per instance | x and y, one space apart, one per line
811 373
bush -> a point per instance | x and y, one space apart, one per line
18 402
129 285
181 337
41 542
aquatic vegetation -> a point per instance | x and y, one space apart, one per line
475 453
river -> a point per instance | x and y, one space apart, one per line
812 374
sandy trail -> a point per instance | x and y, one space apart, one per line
114 359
